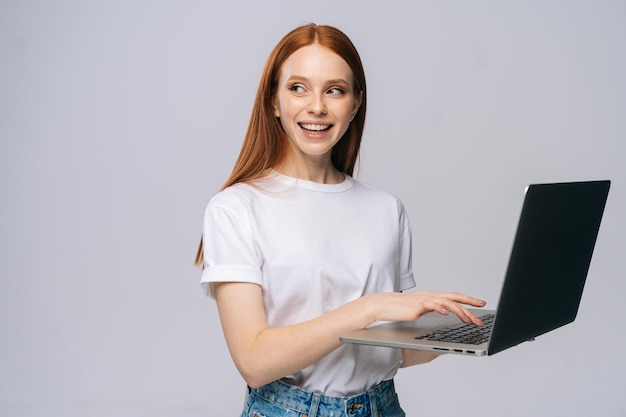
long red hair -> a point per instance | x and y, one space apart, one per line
265 143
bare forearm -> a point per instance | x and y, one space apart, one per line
412 357
270 358
267 354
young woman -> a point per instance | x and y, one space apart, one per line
296 252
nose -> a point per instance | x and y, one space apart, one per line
317 105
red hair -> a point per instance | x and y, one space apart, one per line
265 143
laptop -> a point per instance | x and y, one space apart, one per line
543 285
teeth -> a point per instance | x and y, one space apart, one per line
315 127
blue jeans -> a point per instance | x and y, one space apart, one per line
281 399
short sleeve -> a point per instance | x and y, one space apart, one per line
230 251
407 280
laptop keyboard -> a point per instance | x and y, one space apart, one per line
463 333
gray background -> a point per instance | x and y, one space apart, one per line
119 120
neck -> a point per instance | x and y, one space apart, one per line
322 172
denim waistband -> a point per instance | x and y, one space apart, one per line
313 403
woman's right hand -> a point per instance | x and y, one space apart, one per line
409 306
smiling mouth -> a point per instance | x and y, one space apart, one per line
314 128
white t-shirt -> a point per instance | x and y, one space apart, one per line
312 248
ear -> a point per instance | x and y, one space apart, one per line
357 105
276 109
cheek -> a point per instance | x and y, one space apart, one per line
347 110
284 107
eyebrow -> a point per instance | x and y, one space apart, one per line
328 82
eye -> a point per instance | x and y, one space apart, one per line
297 88
336 91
